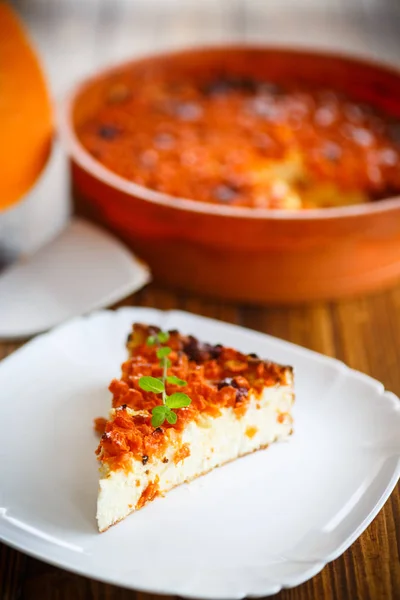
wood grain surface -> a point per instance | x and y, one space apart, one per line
363 332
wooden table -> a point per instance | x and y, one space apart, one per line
363 332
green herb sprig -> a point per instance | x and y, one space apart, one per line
157 385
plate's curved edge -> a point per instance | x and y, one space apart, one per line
373 513
275 586
315 566
95 314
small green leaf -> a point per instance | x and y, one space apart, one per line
151 340
158 415
178 400
171 417
176 380
163 352
161 409
151 384
163 336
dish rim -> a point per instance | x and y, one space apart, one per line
77 152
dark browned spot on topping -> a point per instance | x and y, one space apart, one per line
225 193
153 330
198 352
215 351
228 381
191 348
145 458
194 349
165 460
217 87
224 85
158 430
241 394
108 132
173 332
253 355
147 472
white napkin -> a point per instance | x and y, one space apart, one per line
83 269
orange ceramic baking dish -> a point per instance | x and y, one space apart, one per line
239 253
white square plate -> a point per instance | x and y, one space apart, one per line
266 521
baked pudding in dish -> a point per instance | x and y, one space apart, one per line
245 173
242 141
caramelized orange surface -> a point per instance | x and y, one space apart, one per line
216 376
242 142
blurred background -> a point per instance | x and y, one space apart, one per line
77 37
